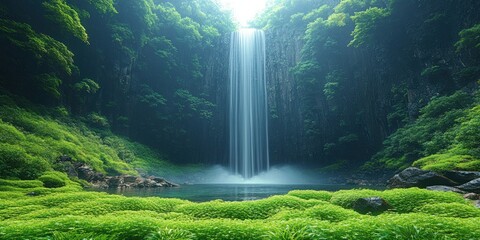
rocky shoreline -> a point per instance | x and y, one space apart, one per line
99 180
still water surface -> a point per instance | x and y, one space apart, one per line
227 192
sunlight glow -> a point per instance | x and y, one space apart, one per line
244 10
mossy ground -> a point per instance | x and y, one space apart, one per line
67 212
32 138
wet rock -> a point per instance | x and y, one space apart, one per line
461 176
445 189
114 182
129 179
371 205
472 186
99 180
415 177
472 196
87 173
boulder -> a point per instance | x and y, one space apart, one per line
415 177
461 177
114 182
371 205
445 189
87 173
472 196
129 179
477 204
472 186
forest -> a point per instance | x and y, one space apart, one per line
95 92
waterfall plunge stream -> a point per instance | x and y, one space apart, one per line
248 104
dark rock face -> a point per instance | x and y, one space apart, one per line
445 189
461 176
472 186
415 177
371 205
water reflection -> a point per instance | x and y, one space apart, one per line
226 192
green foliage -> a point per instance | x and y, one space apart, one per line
97 120
86 86
15 162
151 98
59 11
104 6
469 132
260 209
311 194
442 105
31 144
85 215
171 234
455 210
50 84
433 70
53 179
47 51
469 39
366 24
402 200
448 161
442 138
407 200
200 106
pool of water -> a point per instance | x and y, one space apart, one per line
227 192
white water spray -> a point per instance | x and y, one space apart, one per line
248 104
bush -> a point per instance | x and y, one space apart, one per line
53 179
16 163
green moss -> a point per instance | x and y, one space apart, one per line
311 194
422 215
53 179
448 161
456 210
260 209
32 143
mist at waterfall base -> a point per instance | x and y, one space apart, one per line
276 175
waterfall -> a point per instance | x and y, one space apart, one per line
248 104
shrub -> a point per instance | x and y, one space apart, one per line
16 163
53 179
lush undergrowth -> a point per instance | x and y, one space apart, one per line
69 213
33 138
446 136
